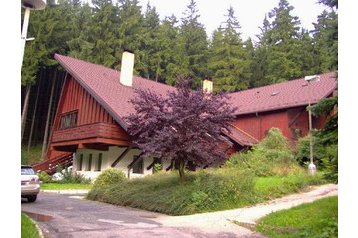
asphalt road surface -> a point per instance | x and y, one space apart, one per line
68 216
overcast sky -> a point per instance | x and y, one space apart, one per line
250 13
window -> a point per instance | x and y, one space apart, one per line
79 162
99 162
68 120
89 162
138 165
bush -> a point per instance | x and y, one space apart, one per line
330 163
221 189
69 177
325 157
303 151
272 156
109 177
202 191
44 177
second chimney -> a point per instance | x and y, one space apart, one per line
127 65
207 85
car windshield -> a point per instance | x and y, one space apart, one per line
27 171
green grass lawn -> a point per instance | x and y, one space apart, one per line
28 228
277 186
204 191
65 186
318 219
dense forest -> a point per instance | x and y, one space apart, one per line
164 48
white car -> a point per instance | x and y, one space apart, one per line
30 183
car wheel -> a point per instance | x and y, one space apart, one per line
31 198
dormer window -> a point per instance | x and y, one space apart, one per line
68 120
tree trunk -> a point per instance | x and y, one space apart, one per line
24 110
33 116
181 168
44 144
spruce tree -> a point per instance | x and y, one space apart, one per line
325 37
193 40
103 34
283 41
150 48
229 61
170 49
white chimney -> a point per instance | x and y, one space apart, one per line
207 85
127 69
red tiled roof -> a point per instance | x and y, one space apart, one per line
240 136
103 84
284 95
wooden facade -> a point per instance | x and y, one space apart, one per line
292 122
81 122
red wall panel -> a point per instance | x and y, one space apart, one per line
293 123
76 98
93 121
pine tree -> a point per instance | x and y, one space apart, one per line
130 32
103 34
193 40
283 41
229 63
150 48
170 49
81 45
260 57
325 37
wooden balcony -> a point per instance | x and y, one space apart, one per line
89 136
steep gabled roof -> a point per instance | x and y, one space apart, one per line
284 95
103 84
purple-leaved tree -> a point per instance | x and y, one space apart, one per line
184 125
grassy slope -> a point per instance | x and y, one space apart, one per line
200 192
317 219
32 156
28 228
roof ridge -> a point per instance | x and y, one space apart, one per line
99 65
275 84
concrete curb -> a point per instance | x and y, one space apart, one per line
41 235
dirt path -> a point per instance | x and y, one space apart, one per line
224 219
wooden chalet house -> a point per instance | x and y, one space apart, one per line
282 105
89 131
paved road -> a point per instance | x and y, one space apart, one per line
68 216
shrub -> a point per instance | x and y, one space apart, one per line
157 167
272 156
201 191
303 151
69 177
109 177
44 177
325 157
222 189
330 163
